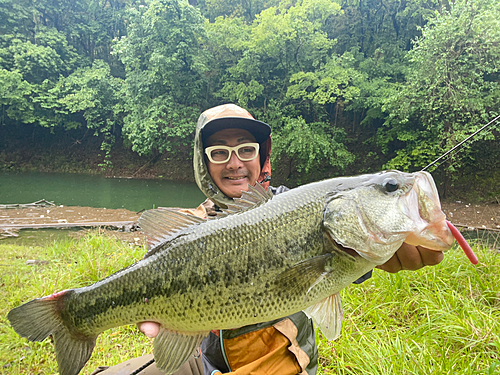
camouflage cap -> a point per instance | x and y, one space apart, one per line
229 116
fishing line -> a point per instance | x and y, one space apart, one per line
461 143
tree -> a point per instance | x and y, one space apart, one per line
247 9
15 98
165 63
281 65
453 86
264 55
91 93
313 147
376 35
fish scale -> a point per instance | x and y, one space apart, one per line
264 261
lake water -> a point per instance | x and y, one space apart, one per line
97 191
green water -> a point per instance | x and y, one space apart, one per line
97 191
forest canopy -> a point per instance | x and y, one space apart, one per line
356 85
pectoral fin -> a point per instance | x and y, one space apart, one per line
327 315
303 276
171 349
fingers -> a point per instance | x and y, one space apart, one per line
150 329
412 258
430 257
393 265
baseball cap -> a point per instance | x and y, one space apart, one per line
228 116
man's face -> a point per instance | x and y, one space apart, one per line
233 176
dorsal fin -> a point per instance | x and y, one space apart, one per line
160 225
254 197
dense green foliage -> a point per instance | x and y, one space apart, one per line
452 86
398 81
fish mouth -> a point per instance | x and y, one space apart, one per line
376 228
431 230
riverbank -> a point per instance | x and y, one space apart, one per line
36 149
465 215
124 163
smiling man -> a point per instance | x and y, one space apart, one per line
219 179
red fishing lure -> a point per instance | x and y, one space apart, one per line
463 243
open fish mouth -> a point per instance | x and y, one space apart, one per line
431 230
388 209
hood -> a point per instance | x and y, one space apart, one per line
224 117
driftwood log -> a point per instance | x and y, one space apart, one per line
11 230
471 228
40 203
127 226
10 225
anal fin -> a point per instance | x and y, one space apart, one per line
171 349
327 315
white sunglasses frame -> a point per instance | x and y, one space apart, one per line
234 149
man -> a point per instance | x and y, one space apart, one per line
232 150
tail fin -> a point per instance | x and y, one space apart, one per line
40 318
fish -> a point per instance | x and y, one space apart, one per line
267 257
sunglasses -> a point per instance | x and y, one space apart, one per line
222 154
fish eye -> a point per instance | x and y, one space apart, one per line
391 185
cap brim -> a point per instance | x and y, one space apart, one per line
260 130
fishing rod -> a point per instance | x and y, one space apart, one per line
461 143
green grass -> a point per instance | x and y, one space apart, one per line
71 263
438 320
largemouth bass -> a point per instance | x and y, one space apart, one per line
270 257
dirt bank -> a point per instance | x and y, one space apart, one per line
460 213
122 221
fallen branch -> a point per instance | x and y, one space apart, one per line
137 171
113 224
40 203
469 228
496 200
5 233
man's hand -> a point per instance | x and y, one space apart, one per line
150 329
412 258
